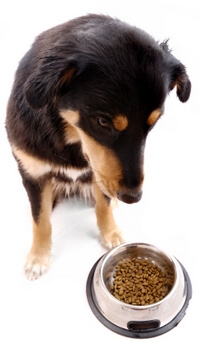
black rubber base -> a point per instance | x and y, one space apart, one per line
141 333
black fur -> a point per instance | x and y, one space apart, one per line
100 68
114 68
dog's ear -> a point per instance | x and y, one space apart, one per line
179 78
178 75
46 82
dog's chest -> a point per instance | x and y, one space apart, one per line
73 182
71 174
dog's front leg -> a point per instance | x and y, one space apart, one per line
38 259
110 233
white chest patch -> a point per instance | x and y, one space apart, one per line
75 173
71 173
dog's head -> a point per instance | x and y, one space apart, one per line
110 82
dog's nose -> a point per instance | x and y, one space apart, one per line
129 196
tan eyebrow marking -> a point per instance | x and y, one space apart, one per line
153 117
120 122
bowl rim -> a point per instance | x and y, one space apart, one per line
140 307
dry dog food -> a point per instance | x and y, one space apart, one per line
139 282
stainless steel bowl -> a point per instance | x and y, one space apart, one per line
138 321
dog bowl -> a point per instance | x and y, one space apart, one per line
133 320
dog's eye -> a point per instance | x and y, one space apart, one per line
103 122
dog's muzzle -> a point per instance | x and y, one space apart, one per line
129 197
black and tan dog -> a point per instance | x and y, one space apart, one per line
84 98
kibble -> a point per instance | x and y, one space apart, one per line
139 282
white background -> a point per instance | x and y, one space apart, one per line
55 308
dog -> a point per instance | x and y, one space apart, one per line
84 99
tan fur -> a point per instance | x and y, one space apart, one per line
71 135
38 259
105 165
110 233
154 116
71 117
120 122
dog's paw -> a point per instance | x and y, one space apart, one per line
112 239
36 266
